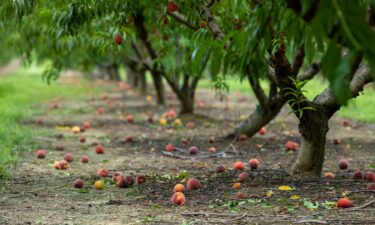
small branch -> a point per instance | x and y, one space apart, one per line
257 89
182 19
212 25
298 60
310 72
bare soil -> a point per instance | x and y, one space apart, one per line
39 194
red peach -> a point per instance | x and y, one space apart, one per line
179 188
63 164
241 195
254 163
193 150
370 176
78 183
100 111
243 137
82 139
102 172
86 125
220 168
329 175
41 154
172 7
193 184
344 203
172 114
185 141
238 165
99 149
262 131
130 118
190 125
169 148
357 174
371 187
291 145
178 198
336 141
128 139
68 157
84 159
343 164
117 39
242 176
116 175
140 179
129 180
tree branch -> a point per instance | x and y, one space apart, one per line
257 89
310 72
212 25
298 60
182 19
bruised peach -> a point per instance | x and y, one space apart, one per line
262 131
343 164
179 188
102 172
344 203
178 198
193 150
329 175
78 183
41 154
99 184
357 174
243 137
242 176
68 157
169 148
254 163
220 168
129 180
241 195
238 165
99 149
212 150
141 179
291 146
84 159
236 186
76 129
86 125
63 164
82 139
193 184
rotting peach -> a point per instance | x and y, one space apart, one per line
220 168
86 125
76 129
242 137
241 195
63 164
82 139
169 147
193 150
130 118
291 146
78 183
212 150
262 131
357 174
193 184
236 186
242 176
141 178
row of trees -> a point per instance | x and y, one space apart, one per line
284 43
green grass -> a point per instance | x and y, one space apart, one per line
359 109
19 91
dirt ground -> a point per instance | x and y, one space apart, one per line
39 194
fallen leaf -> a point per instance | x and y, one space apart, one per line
285 188
294 197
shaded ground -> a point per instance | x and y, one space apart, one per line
39 194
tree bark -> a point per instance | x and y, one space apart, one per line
186 103
142 82
313 127
159 87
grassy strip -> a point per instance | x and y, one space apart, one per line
18 92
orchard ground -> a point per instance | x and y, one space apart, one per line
36 193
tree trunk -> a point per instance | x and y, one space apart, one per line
313 127
142 82
186 103
113 72
159 87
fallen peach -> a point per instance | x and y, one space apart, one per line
76 129
68 157
116 175
336 141
193 150
238 165
243 137
179 188
59 146
262 131
63 164
128 139
56 165
150 119
100 111
82 139
329 175
241 195
193 184
344 203
41 154
254 163
141 179
102 172
343 164
236 186
357 174
169 148
371 187
212 150
291 146
130 119
86 125
220 168
185 141
242 176
178 198
129 180
78 183
99 184
99 149
84 159
211 140
190 125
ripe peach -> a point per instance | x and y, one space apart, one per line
84 159
178 122
254 163
242 176
63 164
121 182
220 168
193 150
69 157
163 122
329 175
59 146
291 145
102 172
172 7
243 137
100 111
130 118
140 179
82 139
56 165
211 140
336 141
169 148
41 154
78 183
86 125
116 175
172 113
129 180
193 184
369 176
357 174
371 187
344 203
99 184
117 39
76 129
190 125
238 165
343 164
236 186
178 198
241 195
99 149
185 141
179 188
212 150
128 139
262 131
